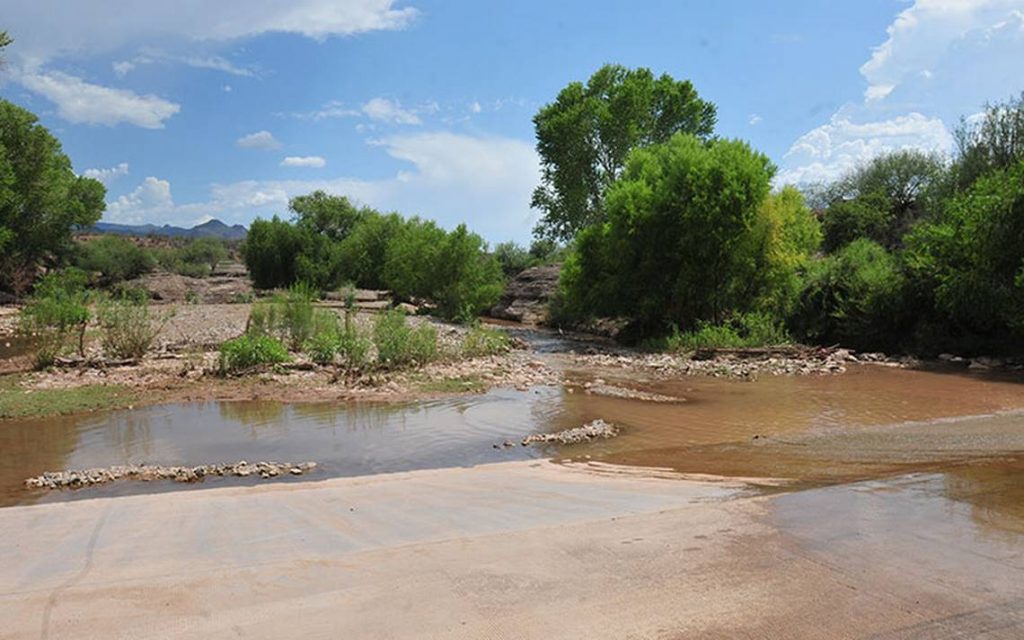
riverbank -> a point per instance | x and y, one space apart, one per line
524 550
182 367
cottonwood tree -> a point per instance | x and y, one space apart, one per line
584 136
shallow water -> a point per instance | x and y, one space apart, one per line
869 422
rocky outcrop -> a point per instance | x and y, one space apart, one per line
527 294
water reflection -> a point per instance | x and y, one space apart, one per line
344 439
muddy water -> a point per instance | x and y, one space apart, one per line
813 430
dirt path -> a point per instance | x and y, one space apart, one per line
516 550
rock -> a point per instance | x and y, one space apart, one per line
590 431
946 357
82 478
989 361
527 294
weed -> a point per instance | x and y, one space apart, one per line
485 341
127 328
248 351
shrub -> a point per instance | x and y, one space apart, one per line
853 297
288 317
127 328
683 241
248 351
485 341
354 348
116 259
399 345
513 258
56 312
324 341
745 330
270 250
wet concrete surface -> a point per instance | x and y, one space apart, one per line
514 550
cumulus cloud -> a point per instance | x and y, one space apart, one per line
389 111
48 28
106 176
81 102
258 140
941 59
828 151
481 180
315 162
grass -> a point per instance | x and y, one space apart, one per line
18 402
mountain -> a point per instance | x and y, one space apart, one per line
212 229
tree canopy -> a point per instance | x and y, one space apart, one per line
41 198
585 135
687 236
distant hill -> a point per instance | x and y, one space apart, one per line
212 229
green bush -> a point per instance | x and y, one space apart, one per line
115 258
249 351
324 341
270 251
56 313
684 241
854 297
745 330
399 345
485 341
127 328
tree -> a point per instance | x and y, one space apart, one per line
270 252
972 259
5 41
993 142
332 216
883 198
682 242
585 135
41 198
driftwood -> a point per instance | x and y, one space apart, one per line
94 363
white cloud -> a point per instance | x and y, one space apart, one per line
389 111
106 176
258 140
485 182
754 120
921 36
474 107
81 102
825 153
941 59
46 29
314 162
150 55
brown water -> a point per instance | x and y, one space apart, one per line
815 430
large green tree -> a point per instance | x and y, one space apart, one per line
584 136
685 238
41 198
991 142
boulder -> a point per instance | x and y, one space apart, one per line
527 294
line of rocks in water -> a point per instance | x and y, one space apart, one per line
599 387
75 479
577 435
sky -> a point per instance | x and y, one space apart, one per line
192 110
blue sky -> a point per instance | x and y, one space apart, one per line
191 110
